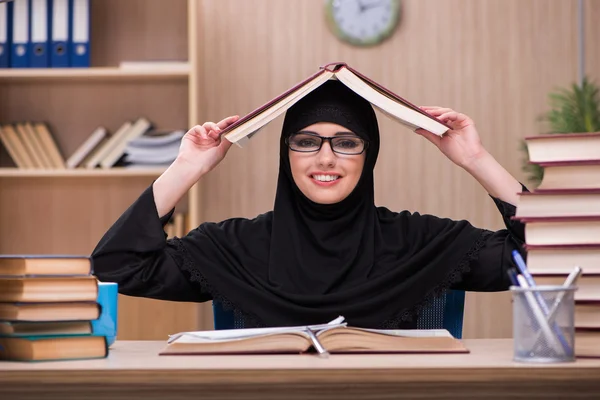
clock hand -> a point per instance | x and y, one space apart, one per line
368 6
361 6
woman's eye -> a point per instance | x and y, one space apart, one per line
348 144
306 142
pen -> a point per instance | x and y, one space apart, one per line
539 316
320 349
512 275
569 282
537 296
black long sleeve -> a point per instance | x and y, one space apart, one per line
488 270
134 253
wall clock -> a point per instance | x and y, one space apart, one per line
362 22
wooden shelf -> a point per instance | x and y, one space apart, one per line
11 74
80 172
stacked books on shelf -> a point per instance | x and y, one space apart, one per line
562 225
47 305
156 148
45 34
136 143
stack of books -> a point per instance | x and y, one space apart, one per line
47 305
562 225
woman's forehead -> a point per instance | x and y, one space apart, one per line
327 129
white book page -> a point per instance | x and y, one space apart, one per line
410 332
233 334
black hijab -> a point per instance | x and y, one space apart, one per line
307 263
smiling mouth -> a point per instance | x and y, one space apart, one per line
325 178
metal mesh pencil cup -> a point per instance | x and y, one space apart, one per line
544 324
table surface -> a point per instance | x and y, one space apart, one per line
134 363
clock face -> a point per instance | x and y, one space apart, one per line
363 22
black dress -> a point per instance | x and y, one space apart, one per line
134 253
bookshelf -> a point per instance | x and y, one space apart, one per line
67 211
100 73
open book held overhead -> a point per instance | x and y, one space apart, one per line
385 100
335 337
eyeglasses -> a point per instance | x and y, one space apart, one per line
305 142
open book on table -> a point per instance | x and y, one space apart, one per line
384 99
334 337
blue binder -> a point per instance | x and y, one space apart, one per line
80 33
5 34
60 33
19 57
39 32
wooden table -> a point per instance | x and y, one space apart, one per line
134 370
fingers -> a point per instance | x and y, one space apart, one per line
212 129
200 131
227 121
435 110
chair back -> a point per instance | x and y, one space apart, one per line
445 312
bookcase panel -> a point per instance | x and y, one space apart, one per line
134 30
69 216
73 110
64 215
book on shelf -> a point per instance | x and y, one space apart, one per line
87 148
382 98
134 145
156 65
335 338
31 146
117 149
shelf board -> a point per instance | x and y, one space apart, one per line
80 172
94 73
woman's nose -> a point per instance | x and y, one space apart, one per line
326 155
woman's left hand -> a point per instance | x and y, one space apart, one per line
461 143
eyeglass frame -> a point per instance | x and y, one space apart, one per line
327 139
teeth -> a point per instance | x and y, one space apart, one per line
326 178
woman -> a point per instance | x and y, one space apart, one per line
325 249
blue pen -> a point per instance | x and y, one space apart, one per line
512 274
529 279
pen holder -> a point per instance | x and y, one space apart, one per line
544 324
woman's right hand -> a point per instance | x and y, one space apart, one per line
202 147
